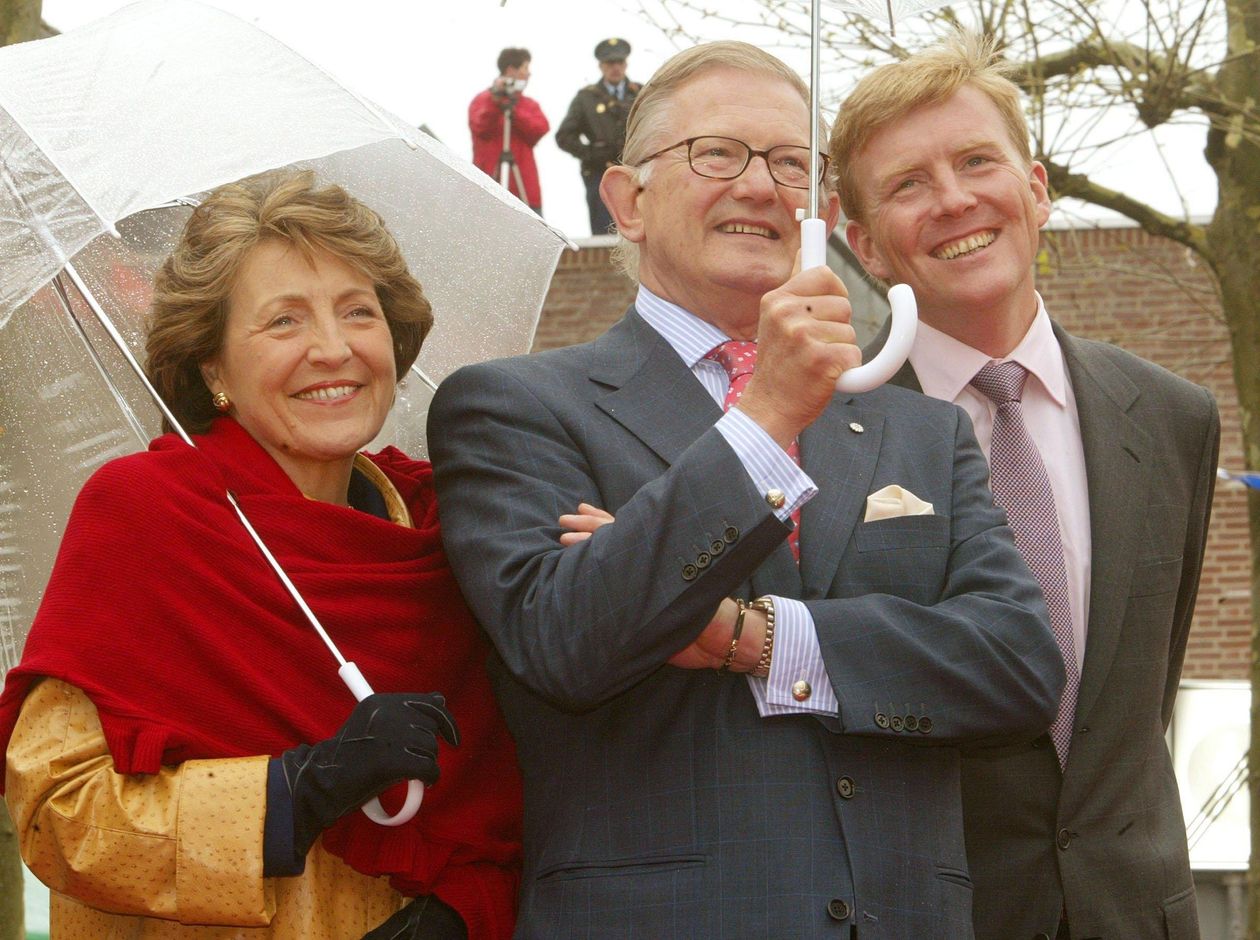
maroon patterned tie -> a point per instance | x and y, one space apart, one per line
739 358
1022 487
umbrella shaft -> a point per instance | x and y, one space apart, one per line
815 80
123 348
120 400
284 579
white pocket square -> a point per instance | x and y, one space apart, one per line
893 501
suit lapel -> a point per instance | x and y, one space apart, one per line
1117 453
1117 467
653 394
841 460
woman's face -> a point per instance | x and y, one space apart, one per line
307 359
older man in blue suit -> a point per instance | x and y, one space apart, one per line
841 552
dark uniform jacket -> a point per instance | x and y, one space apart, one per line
594 130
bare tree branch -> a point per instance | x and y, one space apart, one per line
1063 182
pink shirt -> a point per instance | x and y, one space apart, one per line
945 368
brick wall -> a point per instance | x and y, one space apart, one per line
1119 285
1156 299
586 297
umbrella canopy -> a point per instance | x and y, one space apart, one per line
888 11
107 135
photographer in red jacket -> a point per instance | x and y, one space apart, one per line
505 127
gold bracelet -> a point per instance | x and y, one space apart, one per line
739 628
766 606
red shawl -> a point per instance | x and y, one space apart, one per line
163 611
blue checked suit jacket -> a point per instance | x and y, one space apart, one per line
658 804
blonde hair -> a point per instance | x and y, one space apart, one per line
649 115
928 77
191 290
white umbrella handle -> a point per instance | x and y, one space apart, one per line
905 318
373 809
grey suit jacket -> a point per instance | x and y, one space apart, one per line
658 803
1106 836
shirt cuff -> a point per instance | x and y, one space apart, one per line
768 465
798 683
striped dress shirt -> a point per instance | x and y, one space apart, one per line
797 655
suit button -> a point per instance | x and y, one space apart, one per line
838 909
896 723
1064 838
717 546
703 559
801 690
912 723
925 725
881 720
690 572
730 534
844 786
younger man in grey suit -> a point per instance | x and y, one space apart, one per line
1078 834
817 795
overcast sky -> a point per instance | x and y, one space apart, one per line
426 59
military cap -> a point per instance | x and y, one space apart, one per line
611 50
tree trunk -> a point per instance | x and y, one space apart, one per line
19 21
1234 242
12 916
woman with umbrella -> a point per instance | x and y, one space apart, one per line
180 762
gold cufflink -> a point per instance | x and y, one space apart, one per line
775 498
801 690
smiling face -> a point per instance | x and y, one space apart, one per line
953 211
307 361
716 246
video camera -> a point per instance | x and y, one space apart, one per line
509 86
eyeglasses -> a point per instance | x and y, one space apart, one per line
724 158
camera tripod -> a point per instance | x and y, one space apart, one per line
508 168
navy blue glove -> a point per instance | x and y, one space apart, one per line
387 738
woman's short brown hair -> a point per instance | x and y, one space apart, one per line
190 296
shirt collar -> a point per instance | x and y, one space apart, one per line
686 333
946 366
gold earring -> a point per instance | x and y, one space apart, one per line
221 401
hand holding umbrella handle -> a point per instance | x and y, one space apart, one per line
373 809
905 318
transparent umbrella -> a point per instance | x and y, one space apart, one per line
107 136
886 10
814 229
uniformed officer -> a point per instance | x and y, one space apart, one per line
594 130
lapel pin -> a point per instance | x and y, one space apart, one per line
856 428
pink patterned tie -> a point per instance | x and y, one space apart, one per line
1022 487
739 358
